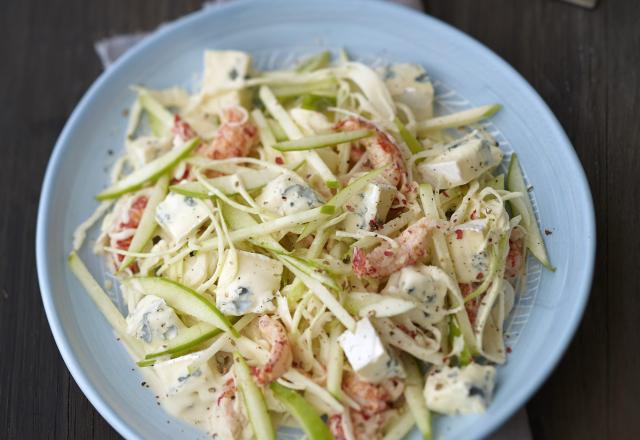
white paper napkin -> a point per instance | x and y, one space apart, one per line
109 49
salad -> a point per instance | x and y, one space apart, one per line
311 247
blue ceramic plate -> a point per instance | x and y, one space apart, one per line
466 74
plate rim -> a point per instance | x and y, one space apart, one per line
47 294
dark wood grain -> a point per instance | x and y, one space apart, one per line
585 64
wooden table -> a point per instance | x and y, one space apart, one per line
585 64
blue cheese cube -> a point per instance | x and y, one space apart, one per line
418 281
409 84
184 392
223 69
178 215
248 283
453 390
287 194
368 210
468 248
460 164
153 322
367 355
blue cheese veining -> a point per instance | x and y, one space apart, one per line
248 283
368 210
419 282
153 322
178 215
454 390
287 195
468 247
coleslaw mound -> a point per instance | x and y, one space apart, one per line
312 247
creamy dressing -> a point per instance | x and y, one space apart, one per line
193 399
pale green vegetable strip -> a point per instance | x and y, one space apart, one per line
186 339
253 400
324 88
459 119
335 363
147 225
322 140
240 219
148 172
372 86
251 179
497 182
441 250
134 118
293 132
295 376
320 167
267 138
311 271
323 295
413 393
400 427
279 113
154 108
306 415
269 227
314 62
343 56
344 152
365 304
428 200
277 130
220 343
522 206
184 299
104 303
278 224
349 191
408 138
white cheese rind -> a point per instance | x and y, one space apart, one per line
453 390
178 215
368 210
248 283
460 163
287 194
367 355
467 245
